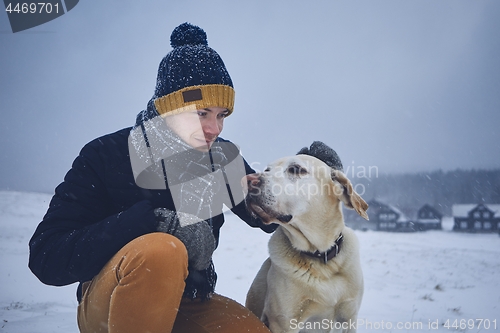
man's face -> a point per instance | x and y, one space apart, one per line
198 128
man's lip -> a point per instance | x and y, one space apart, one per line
203 141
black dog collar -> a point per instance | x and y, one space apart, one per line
331 253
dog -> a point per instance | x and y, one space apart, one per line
312 280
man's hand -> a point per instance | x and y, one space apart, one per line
196 235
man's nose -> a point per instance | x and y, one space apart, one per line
211 128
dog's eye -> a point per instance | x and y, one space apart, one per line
296 170
267 169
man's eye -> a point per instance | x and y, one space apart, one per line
222 115
202 113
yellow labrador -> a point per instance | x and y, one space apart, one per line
312 280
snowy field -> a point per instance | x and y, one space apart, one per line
413 282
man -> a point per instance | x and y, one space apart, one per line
138 215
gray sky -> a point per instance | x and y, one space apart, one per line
400 86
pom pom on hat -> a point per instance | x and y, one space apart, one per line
324 153
188 34
192 75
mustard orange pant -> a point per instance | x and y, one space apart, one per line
140 290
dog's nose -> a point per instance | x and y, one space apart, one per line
250 182
253 179
253 182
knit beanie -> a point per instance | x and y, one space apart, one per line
192 76
324 153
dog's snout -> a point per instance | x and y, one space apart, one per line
253 182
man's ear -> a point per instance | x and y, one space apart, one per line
349 197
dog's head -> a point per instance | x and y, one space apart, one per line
300 187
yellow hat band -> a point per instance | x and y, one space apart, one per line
196 98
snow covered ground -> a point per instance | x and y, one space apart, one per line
413 282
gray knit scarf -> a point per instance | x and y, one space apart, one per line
199 182
161 160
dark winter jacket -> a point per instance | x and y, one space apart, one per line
98 209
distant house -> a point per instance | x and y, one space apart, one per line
356 222
476 218
382 217
428 218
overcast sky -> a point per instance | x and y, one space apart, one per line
402 86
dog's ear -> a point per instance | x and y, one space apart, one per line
349 197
